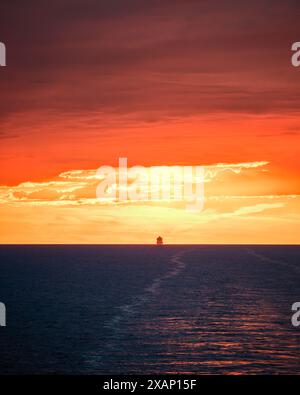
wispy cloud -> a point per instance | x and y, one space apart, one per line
78 187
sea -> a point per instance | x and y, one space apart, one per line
137 309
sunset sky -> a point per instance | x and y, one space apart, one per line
162 83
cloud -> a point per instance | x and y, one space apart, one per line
78 187
258 208
148 59
213 171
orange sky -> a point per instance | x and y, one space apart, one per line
175 84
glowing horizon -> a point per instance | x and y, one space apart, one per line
72 213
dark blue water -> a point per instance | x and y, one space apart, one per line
148 309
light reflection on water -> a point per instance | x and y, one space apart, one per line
226 313
143 309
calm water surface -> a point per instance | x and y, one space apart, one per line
146 309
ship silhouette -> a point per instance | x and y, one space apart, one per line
159 241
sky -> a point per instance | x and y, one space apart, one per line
162 83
